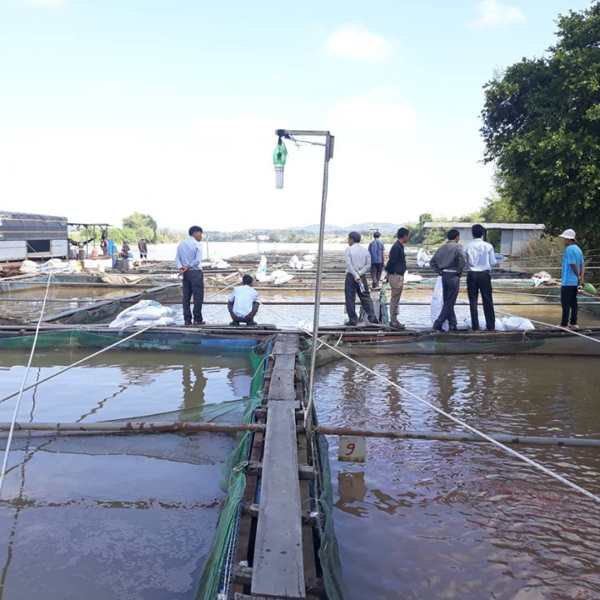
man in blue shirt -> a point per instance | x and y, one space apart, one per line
189 262
377 252
572 275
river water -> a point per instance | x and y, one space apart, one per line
122 517
433 520
132 517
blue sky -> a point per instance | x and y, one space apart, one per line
169 106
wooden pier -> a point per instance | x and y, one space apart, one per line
276 538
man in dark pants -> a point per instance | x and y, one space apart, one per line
358 264
449 262
243 303
189 262
377 252
395 270
480 260
572 275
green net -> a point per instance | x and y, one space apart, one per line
154 339
233 483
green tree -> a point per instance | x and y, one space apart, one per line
417 233
139 225
541 125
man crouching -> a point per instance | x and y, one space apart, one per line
243 303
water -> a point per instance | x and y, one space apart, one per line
433 520
224 250
132 517
126 517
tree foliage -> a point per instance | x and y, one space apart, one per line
142 225
542 128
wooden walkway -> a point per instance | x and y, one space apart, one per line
276 536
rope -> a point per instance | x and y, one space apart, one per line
20 393
487 438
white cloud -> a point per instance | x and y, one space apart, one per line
375 114
358 43
45 3
216 169
492 13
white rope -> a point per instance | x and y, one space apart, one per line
20 393
487 438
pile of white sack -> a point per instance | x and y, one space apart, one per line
423 257
543 278
408 278
215 264
276 277
306 262
54 265
144 314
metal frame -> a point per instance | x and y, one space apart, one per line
291 134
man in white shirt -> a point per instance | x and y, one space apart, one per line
480 260
243 303
358 264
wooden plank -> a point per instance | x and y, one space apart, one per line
282 386
278 568
305 472
286 344
285 362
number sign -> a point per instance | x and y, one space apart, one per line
352 449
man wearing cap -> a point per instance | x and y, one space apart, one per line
572 275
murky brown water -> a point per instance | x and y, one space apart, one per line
133 517
433 520
128 517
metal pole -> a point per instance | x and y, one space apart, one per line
460 437
313 354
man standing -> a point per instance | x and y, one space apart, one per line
243 303
358 264
143 248
449 262
189 262
480 260
395 269
377 252
573 274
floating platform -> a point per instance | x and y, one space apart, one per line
353 341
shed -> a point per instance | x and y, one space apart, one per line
514 236
27 236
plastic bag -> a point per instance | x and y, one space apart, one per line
437 302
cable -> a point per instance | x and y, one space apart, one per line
487 438
20 393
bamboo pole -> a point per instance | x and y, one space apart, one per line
178 427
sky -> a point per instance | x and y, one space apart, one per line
169 107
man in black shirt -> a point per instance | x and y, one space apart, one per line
395 269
